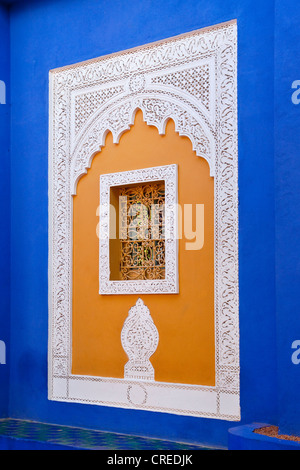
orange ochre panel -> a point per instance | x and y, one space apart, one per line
185 321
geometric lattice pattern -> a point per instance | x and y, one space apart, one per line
195 81
77 438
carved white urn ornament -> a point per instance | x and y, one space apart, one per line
140 340
191 79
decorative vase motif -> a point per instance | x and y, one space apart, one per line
140 340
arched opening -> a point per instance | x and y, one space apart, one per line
186 350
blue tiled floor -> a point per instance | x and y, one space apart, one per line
27 434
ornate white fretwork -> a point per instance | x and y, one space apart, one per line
169 285
140 340
191 79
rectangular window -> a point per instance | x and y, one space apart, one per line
142 231
138 231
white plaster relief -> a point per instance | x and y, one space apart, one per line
75 136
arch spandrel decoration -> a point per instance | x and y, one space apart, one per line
191 79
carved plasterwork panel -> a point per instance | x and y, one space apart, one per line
191 79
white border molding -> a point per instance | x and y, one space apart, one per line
169 285
191 79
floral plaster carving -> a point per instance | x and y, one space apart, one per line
169 285
191 79
139 340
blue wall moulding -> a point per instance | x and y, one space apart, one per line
244 438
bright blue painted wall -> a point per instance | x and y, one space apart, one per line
4 209
52 33
287 164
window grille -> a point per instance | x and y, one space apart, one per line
142 231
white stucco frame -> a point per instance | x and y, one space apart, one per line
191 79
169 285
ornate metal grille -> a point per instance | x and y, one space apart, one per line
142 231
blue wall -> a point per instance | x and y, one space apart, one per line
48 34
287 165
4 208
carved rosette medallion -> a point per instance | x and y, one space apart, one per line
140 340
